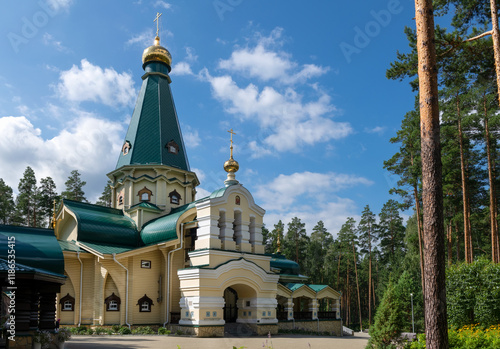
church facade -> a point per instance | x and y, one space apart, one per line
159 257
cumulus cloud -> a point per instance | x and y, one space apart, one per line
292 121
191 137
163 4
311 196
378 129
60 4
89 144
182 68
92 83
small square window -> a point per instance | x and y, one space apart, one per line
208 314
146 264
113 305
248 303
68 305
192 314
249 313
244 313
263 313
269 313
214 314
187 313
145 306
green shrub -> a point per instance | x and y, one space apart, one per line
90 331
81 330
100 330
143 330
467 337
115 328
163 330
179 333
124 330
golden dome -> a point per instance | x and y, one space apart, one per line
157 53
231 166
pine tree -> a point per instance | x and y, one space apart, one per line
316 253
74 188
295 241
27 199
367 237
47 195
390 231
6 203
105 198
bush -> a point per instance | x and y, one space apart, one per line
63 335
179 333
164 331
115 328
143 330
467 337
100 330
124 330
90 331
80 330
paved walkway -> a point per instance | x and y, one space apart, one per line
359 341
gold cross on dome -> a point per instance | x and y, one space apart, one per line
232 133
157 20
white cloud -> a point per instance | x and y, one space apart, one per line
265 63
182 68
285 190
93 83
89 145
201 193
146 38
311 197
191 137
378 129
163 4
191 55
291 122
60 4
49 40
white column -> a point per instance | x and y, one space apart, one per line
208 233
289 309
313 307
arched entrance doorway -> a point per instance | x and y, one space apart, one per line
230 306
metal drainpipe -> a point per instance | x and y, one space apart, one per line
81 288
126 290
167 291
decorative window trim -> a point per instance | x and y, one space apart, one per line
145 304
175 197
67 300
145 191
237 200
145 264
172 147
126 147
112 298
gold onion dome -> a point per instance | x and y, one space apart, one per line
231 166
157 53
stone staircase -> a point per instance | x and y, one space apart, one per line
234 329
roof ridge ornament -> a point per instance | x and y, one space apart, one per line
157 20
231 166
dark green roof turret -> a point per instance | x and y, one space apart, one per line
154 136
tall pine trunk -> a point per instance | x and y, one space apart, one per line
495 33
465 198
357 286
436 327
369 277
495 253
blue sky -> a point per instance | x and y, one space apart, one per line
301 83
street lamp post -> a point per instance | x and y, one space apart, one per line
412 321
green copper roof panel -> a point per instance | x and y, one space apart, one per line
317 288
164 228
34 247
292 287
286 266
24 269
105 248
147 205
69 246
153 125
99 224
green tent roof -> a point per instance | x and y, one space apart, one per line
164 228
34 247
285 266
99 224
154 125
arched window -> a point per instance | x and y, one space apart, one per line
145 194
67 303
120 200
112 303
145 304
175 197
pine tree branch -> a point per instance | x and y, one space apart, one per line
489 32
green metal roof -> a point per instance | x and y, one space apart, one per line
286 266
153 125
293 287
146 205
105 248
24 269
99 224
317 288
164 228
69 246
34 247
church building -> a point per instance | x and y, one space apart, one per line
159 257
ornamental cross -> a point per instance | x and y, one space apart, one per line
232 133
157 20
